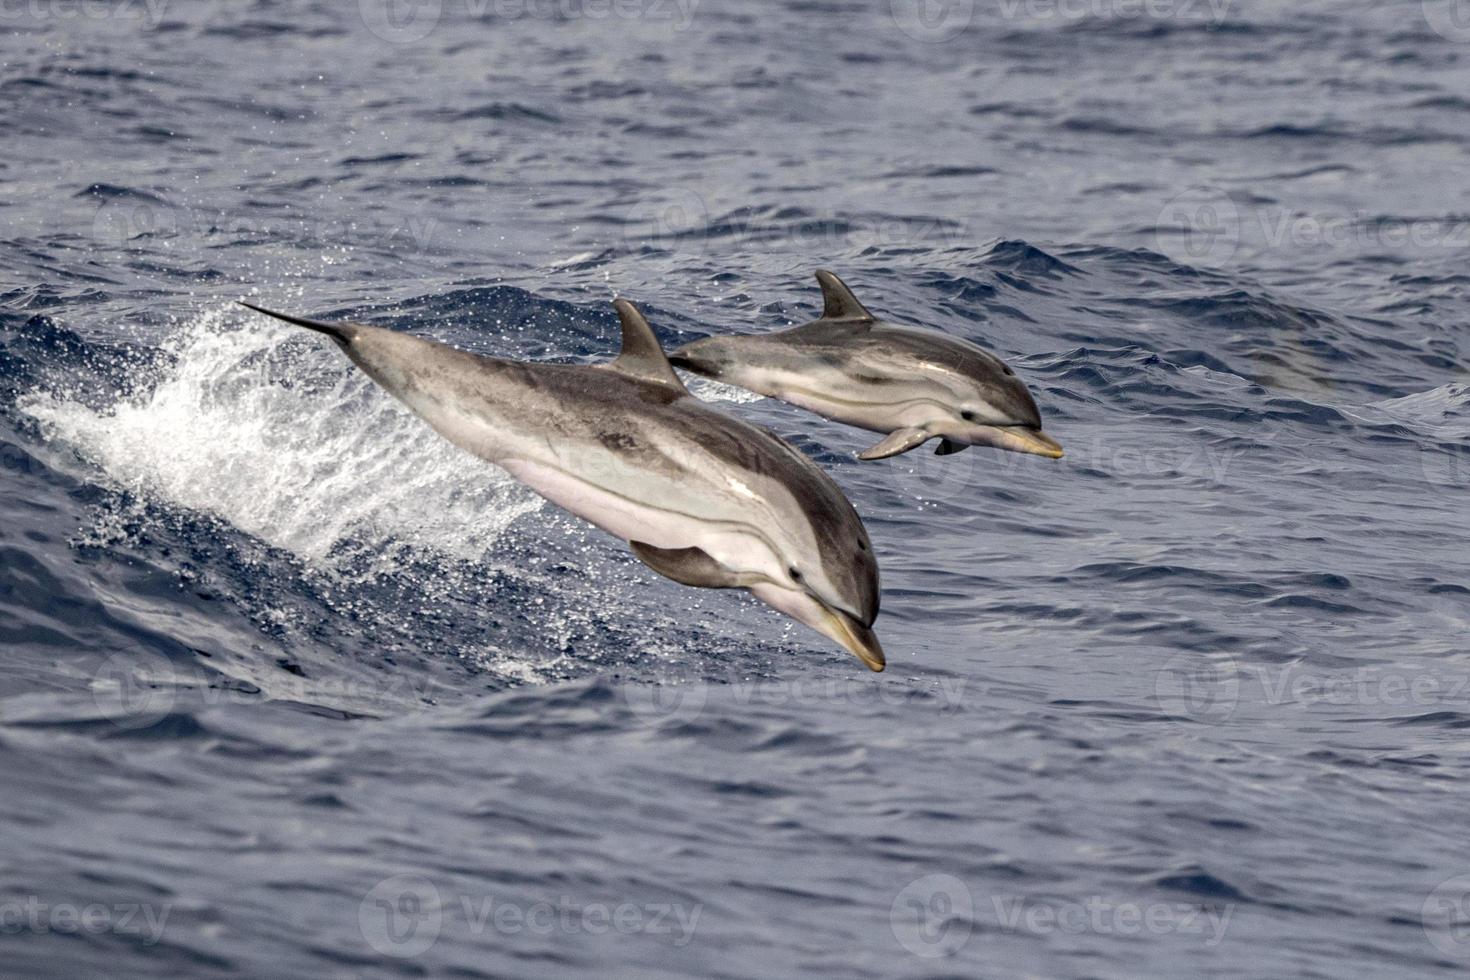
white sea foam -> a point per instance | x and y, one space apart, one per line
273 431
713 391
1442 411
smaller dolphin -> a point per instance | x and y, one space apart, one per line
914 385
702 498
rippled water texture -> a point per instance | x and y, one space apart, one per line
294 689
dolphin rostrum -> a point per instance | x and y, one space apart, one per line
911 384
704 499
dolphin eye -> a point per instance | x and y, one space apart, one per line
862 545
794 573
967 415
1006 368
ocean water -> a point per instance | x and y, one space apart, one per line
291 688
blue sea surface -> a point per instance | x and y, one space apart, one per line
293 688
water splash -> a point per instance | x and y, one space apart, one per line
277 434
714 391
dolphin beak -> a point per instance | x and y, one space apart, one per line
698 356
855 637
831 622
1024 439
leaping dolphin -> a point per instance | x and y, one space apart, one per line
702 498
850 366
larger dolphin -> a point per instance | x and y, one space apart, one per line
702 498
912 385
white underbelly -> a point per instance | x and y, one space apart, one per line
732 542
659 512
616 514
873 416
833 396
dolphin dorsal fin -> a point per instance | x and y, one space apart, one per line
641 356
838 302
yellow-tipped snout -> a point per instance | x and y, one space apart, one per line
831 622
856 638
1023 439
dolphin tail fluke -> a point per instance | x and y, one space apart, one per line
342 333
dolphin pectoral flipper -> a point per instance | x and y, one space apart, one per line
687 566
642 357
898 441
948 447
838 302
